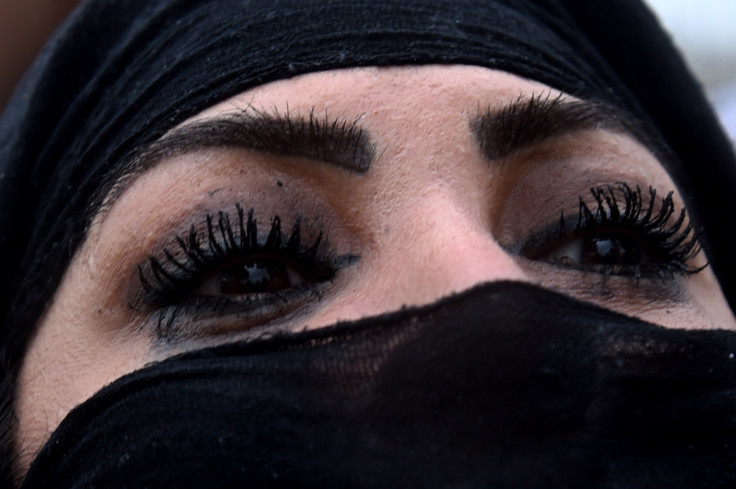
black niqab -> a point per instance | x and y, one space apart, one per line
476 391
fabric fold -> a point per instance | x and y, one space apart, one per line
478 390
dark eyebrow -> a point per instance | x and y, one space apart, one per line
338 142
528 122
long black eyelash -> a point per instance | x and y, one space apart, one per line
166 280
621 207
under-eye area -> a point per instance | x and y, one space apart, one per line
619 230
234 271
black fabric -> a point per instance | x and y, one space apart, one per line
479 390
122 72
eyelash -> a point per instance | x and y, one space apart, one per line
168 281
620 208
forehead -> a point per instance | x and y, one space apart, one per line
399 88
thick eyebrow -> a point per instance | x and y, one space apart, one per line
338 142
528 122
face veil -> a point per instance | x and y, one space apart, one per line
460 393
82 111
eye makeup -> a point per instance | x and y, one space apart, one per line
249 253
619 244
620 232
229 273
237 270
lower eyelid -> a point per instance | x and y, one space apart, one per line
212 317
602 289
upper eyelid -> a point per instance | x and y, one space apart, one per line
217 235
221 235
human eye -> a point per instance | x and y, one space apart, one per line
618 230
228 275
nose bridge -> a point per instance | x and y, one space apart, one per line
434 195
467 252
451 249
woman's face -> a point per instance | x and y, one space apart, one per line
343 194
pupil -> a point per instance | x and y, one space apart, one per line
618 250
254 276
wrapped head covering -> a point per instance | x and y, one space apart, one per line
120 73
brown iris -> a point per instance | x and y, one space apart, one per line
252 276
610 250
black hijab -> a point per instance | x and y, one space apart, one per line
119 74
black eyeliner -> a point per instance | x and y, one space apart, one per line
170 279
622 208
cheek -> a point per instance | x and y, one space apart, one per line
70 357
709 303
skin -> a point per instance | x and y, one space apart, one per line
430 217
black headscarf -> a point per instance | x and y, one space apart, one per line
120 73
